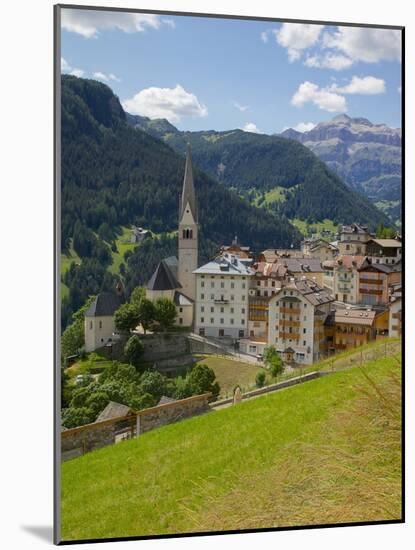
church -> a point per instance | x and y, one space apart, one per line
174 277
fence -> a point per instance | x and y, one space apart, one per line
83 439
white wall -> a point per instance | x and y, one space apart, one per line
98 331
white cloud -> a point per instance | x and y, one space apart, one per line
367 85
66 68
251 127
89 23
296 37
240 107
106 77
265 36
337 62
304 126
363 44
323 98
171 103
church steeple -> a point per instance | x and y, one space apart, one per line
188 191
188 232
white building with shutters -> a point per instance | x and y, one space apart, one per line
222 287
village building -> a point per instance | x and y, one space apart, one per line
388 251
99 322
222 287
374 282
138 234
272 255
356 327
395 311
237 249
345 278
297 313
353 239
319 248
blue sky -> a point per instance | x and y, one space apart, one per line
203 73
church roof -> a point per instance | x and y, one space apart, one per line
182 300
163 278
188 192
105 304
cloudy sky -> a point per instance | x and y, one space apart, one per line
203 73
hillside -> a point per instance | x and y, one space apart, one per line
114 176
368 157
258 163
327 451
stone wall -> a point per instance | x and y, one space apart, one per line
83 439
148 419
164 345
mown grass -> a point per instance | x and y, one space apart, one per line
325 451
230 373
318 227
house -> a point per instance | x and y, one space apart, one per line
138 234
353 239
237 249
345 278
271 255
163 284
388 251
222 287
297 313
319 248
395 311
99 319
374 282
353 328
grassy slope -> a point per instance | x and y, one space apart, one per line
123 244
326 451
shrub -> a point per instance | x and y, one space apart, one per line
260 379
134 350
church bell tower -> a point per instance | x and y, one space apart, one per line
188 232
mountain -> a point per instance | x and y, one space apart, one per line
368 157
282 174
114 175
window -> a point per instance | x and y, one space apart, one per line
243 284
222 285
212 296
202 319
231 321
304 343
241 334
90 325
180 310
202 308
258 283
243 297
221 332
221 321
212 309
304 330
202 296
100 324
242 321
201 332
232 297
180 321
212 284
305 318
232 285
232 309
243 310
305 305
212 320
222 309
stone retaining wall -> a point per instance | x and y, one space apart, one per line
83 439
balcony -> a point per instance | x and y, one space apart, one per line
285 323
374 291
290 311
289 335
221 300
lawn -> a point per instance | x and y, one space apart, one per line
327 451
229 373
